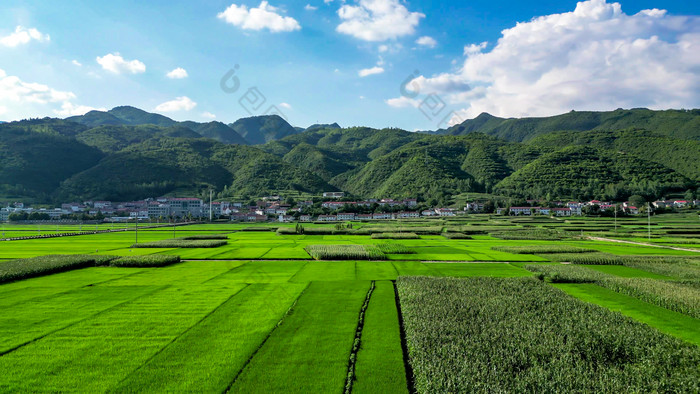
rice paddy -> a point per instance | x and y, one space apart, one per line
270 309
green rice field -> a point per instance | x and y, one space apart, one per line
254 312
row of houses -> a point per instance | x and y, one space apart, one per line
385 202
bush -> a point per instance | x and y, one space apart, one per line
154 260
182 243
541 249
45 265
345 252
395 236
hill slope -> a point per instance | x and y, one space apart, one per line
261 129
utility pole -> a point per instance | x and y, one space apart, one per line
649 220
615 217
210 207
137 229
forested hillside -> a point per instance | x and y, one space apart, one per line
672 123
127 153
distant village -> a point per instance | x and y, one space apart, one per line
332 208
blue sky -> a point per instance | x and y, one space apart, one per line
346 61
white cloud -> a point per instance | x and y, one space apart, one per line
309 7
115 63
179 104
383 48
427 41
208 115
377 20
23 36
3 110
19 97
263 17
76 63
403 102
594 58
370 71
178 73
473 49
15 90
286 106
70 109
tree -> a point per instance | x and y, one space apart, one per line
637 200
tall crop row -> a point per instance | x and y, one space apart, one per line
536 249
182 243
395 236
46 265
345 252
520 335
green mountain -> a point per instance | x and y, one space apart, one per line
57 160
216 131
35 157
261 129
582 171
111 139
178 165
673 123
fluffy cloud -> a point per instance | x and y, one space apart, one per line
22 98
15 90
403 102
370 71
594 58
179 104
309 7
286 106
208 115
178 73
263 17
115 63
70 109
378 20
76 63
23 36
427 41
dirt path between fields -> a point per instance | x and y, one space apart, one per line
643 244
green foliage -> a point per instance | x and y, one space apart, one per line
205 236
521 335
586 258
345 252
46 265
395 236
153 260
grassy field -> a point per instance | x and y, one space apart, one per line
259 314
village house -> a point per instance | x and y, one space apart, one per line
285 218
382 216
521 211
346 216
334 194
428 212
680 204
362 216
327 218
444 212
305 218
408 215
633 210
561 211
